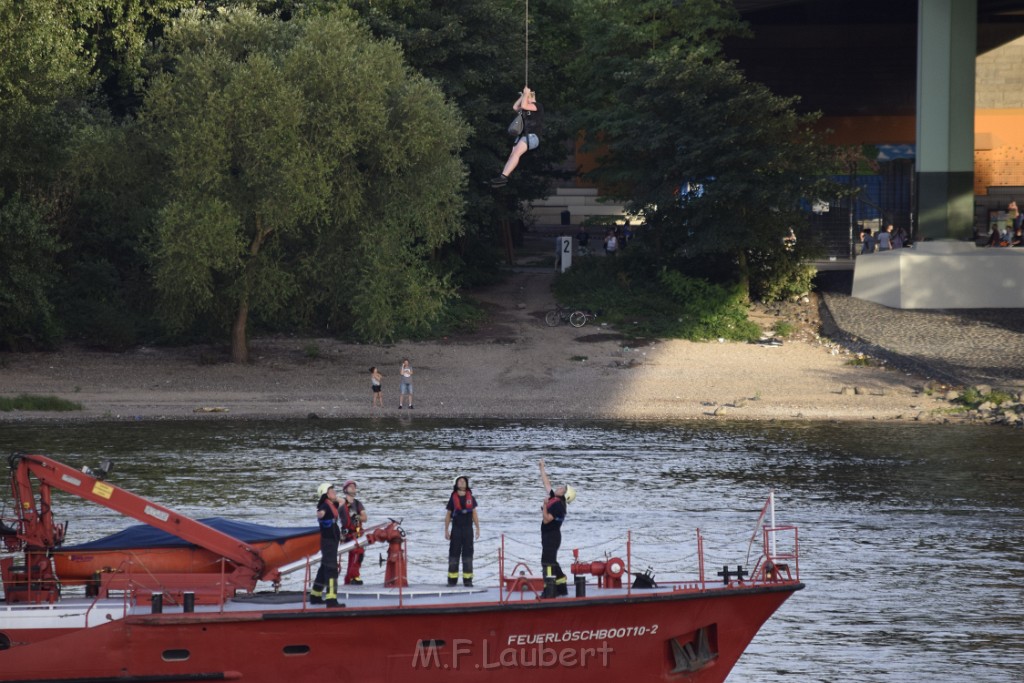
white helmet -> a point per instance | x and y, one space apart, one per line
570 494
323 488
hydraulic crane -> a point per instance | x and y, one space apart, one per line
37 533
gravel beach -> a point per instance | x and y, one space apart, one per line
514 366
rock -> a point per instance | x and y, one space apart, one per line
986 407
739 403
860 391
951 395
847 391
721 410
984 389
520 305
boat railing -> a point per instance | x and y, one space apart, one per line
780 555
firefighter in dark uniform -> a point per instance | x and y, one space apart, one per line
353 515
325 585
459 522
553 513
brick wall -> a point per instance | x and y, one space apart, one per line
999 118
999 79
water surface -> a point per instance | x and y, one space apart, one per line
910 535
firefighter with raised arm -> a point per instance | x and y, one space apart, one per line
553 513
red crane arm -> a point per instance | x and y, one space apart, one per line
39 530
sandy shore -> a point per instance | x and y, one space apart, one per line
514 367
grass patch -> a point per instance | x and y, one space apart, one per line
311 351
579 359
971 398
667 305
860 361
783 328
42 403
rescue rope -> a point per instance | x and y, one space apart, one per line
526 52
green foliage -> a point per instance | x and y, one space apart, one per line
709 311
668 305
301 156
778 275
783 328
28 249
971 398
457 316
40 403
716 163
473 49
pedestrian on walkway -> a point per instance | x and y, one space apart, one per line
376 387
405 386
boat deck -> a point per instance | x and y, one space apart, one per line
80 611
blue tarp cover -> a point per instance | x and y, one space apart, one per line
145 536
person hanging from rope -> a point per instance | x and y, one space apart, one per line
532 112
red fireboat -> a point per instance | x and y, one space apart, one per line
133 622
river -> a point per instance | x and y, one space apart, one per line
910 535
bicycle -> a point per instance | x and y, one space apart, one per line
574 316
558 315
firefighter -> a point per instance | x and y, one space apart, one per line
353 516
459 522
325 585
553 512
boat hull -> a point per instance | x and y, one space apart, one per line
630 637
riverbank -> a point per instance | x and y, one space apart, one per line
513 367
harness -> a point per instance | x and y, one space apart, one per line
328 522
551 501
457 503
352 525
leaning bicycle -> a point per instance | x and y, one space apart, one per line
558 315
574 316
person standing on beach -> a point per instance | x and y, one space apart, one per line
460 519
553 513
405 387
376 388
325 584
353 516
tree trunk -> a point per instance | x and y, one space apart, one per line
239 340
744 272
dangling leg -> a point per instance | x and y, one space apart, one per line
513 159
518 150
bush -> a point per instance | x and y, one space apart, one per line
778 276
670 305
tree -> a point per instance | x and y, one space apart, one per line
474 50
717 164
44 83
303 157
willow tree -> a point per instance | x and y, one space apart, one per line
304 162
